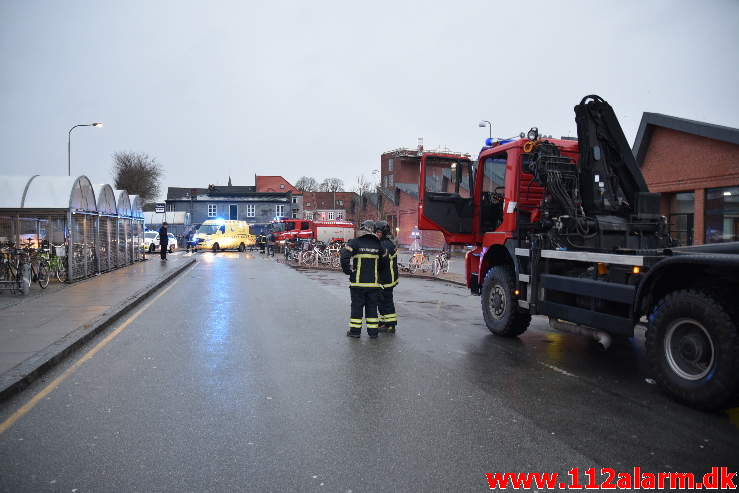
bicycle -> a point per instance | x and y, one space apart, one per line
39 269
58 262
419 260
441 263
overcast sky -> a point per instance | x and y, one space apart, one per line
323 88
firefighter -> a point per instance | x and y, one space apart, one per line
388 272
359 260
262 240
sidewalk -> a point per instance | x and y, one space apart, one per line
40 330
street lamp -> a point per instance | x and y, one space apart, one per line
482 124
69 145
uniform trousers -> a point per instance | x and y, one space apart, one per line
364 304
386 305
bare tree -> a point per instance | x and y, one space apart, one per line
306 184
138 174
363 188
331 185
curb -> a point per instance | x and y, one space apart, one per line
20 377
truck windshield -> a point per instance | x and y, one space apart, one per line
278 227
208 229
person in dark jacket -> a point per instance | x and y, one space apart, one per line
359 260
271 237
163 240
262 240
388 272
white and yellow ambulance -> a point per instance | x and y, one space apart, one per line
223 234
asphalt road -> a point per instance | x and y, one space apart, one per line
239 377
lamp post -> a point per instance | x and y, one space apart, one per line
482 124
69 145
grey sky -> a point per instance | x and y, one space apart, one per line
323 88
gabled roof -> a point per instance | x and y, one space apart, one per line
272 184
651 120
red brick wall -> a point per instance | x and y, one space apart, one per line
681 162
676 161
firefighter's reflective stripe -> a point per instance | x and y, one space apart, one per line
388 317
349 248
364 258
372 323
355 323
393 271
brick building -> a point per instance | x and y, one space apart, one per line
328 206
695 166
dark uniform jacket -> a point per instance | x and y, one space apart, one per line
362 254
163 238
389 264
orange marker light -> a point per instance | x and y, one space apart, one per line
636 270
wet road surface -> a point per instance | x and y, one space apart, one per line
238 377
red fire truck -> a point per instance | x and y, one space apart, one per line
325 231
569 230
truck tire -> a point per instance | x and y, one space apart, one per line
242 247
693 348
215 247
151 248
500 304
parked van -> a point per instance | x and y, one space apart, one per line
221 234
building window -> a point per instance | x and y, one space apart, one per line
384 179
212 210
390 164
295 214
295 200
722 214
307 204
339 215
170 207
390 180
282 186
280 210
331 216
681 217
309 214
251 210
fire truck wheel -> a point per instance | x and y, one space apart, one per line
693 348
215 247
242 247
500 304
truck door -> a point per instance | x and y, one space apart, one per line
445 196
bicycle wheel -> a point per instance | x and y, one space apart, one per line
4 274
15 284
437 267
60 269
43 273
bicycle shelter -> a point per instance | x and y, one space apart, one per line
62 210
107 228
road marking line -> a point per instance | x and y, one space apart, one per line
47 390
560 370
